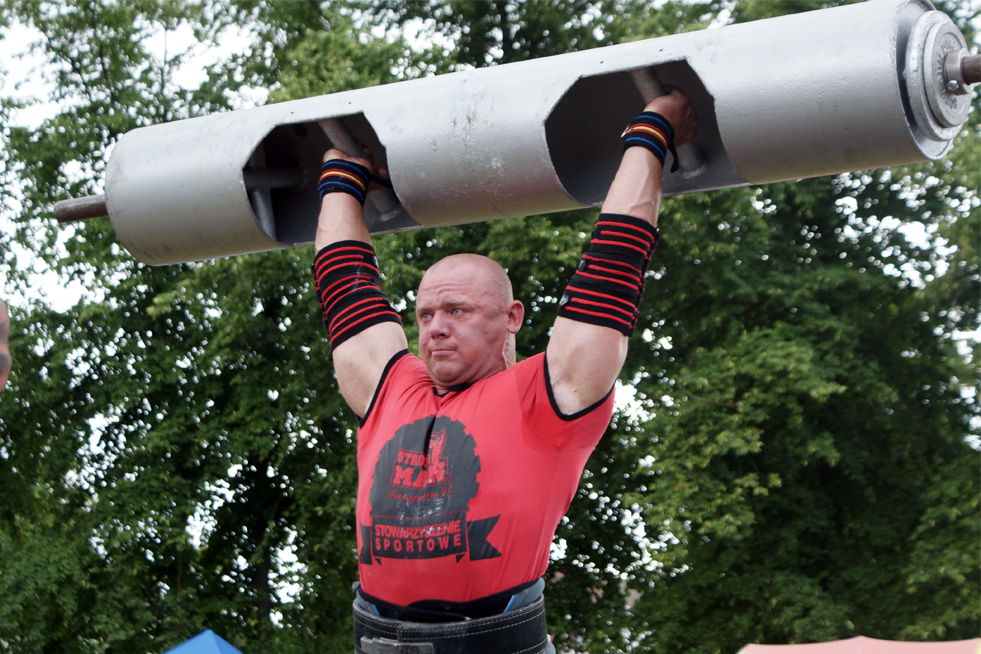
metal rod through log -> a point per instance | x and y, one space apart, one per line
260 178
71 211
971 69
341 137
94 206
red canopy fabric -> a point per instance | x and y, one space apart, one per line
863 645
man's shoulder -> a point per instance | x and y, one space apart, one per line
405 366
403 373
523 371
532 365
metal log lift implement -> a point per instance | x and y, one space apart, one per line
875 84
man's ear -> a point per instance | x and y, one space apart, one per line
516 315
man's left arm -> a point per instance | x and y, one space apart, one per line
598 312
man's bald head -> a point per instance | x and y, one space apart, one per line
489 273
467 318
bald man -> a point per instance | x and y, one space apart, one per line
467 460
5 361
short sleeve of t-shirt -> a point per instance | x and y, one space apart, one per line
580 430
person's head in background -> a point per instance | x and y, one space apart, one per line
5 361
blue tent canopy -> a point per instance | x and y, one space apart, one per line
206 642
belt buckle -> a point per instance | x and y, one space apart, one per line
388 646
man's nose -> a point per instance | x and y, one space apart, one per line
439 325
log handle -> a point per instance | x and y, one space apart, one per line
341 137
690 158
263 178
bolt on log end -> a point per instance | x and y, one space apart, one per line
70 211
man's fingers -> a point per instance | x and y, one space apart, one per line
688 129
677 108
334 153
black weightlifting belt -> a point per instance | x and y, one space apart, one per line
521 631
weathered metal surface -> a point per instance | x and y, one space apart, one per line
818 93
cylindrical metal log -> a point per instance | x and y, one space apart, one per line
817 93
74 210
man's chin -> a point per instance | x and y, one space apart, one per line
444 375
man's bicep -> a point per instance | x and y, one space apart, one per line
360 361
584 361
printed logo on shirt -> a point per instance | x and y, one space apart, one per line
424 480
419 469
401 539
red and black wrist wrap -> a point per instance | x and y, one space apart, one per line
608 284
349 286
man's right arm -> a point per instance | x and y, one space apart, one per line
360 359
585 356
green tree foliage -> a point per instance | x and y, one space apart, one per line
795 467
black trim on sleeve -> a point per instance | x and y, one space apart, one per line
555 406
381 382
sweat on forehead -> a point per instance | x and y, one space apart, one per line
482 268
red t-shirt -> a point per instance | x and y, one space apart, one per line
459 496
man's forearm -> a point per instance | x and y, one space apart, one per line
636 190
341 219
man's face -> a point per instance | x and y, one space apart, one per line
465 320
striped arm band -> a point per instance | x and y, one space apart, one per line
609 281
349 286
340 176
651 130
